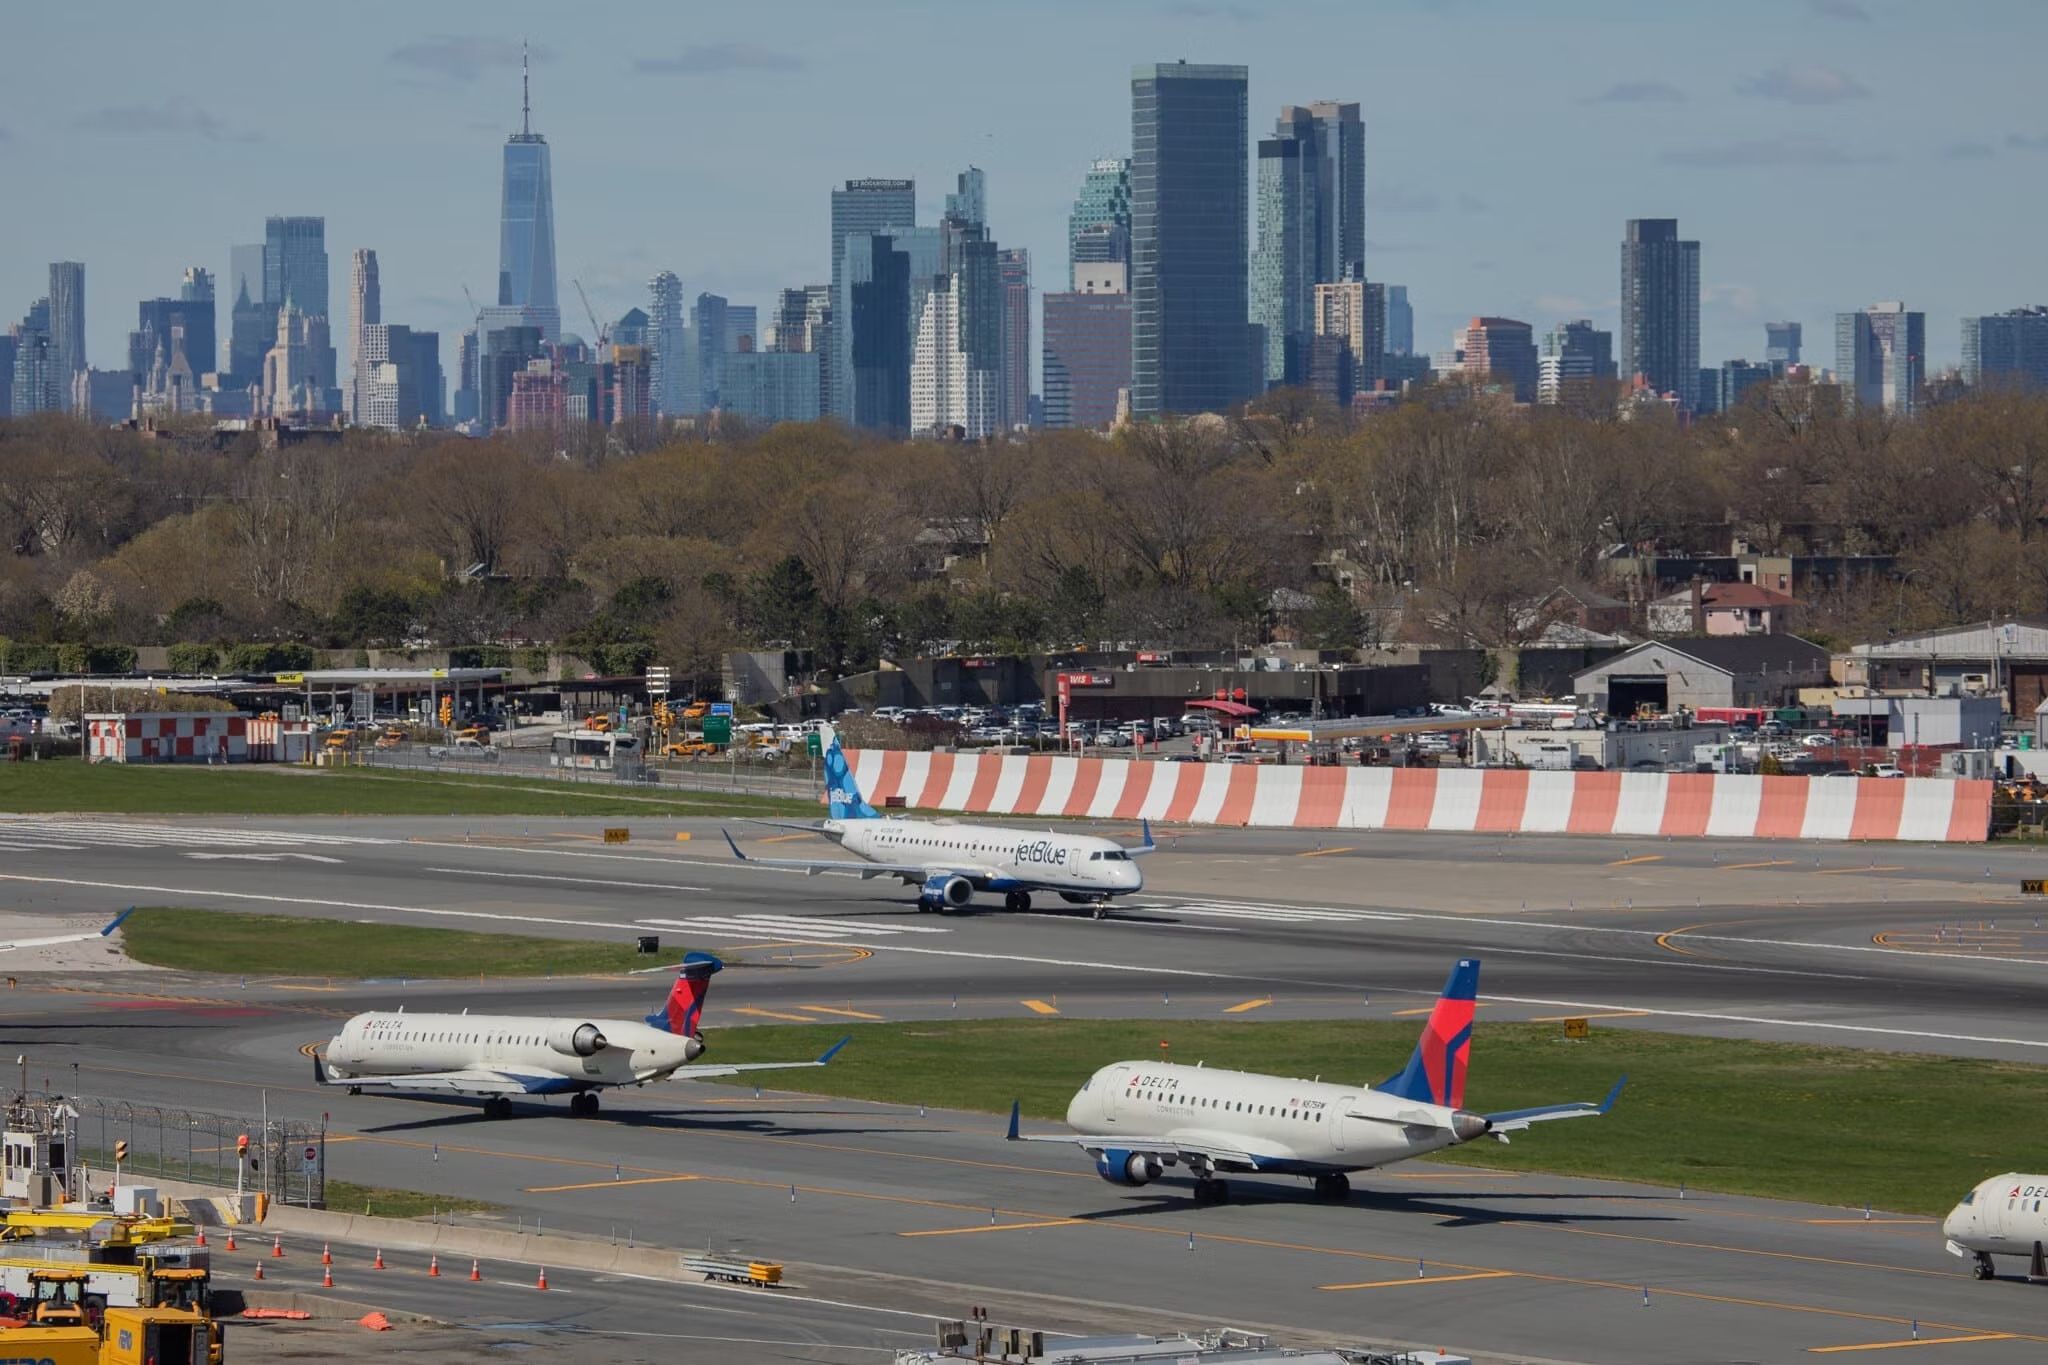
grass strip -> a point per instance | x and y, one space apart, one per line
352 950
345 1196
69 785
1835 1126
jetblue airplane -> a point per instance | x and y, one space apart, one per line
500 1056
949 861
1137 1118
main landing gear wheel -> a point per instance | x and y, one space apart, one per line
1211 1191
355 1090
1982 1268
1333 1189
1102 909
1017 901
584 1105
497 1107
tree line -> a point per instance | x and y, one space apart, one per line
1441 519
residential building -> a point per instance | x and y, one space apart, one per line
706 344
67 319
1099 227
1660 309
539 397
1722 609
665 342
36 385
2007 348
969 200
1400 326
1190 332
1880 358
1013 270
1330 369
1781 345
366 309
526 223
398 376
632 329
742 328
1574 356
1311 212
504 353
1501 351
1355 311
863 209
1088 347
773 386
1723 390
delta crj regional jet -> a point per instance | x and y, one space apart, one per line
950 861
1136 1118
500 1056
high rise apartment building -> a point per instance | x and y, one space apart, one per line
67 319
1881 357
1099 227
1781 344
1574 356
1087 333
1660 309
1190 331
1311 212
863 209
1013 267
1354 311
366 309
2009 348
665 343
1502 352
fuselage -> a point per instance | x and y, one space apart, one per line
582 1054
2007 1215
1295 1125
995 857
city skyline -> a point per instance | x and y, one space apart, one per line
1762 156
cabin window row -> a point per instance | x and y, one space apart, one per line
1232 1106
399 1036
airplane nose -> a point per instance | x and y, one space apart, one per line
1468 1126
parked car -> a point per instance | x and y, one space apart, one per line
1818 741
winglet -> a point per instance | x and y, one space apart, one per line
320 1070
1016 1108
833 1051
733 846
1613 1094
115 922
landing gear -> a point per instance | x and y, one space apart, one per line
584 1105
355 1090
497 1107
1017 902
1333 1189
1210 1191
1981 1269
1102 909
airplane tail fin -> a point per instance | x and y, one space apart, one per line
841 791
1435 1073
684 1011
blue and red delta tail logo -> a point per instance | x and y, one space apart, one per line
1435 1073
842 795
684 1012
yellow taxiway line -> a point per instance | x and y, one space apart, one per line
1640 858
771 1014
609 1184
782 838
1911 1341
1743 867
1327 852
1247 1006
994 1227
846 1014
1427 1279
1040 1007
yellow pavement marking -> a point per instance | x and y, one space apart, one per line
1642 858
1248 1006
771 1014
608 1184
1850 871
995 1227
290 986
1916 1341
1596 1014
1425 1009
1326 852
849 1014
682 836
1739 867
1664 940
782 838
1428 1279
1040 1007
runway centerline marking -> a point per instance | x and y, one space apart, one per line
995 1227
608 1184
1912 1341
1426 1279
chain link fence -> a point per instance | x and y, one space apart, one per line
792 777
285 1159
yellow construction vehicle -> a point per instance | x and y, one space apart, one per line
121 1336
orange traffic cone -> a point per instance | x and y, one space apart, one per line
202 1238
476 1271
378 1264
277 1246
327 1277
434 1267
231 1241
542 1282
326 1255
259 1270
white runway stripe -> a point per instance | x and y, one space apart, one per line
1277 914
796 924
71 835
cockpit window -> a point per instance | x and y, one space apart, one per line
1115 856
1970 1198
1095 857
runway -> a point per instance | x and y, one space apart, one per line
1930 949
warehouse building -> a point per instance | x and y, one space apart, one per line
1701 671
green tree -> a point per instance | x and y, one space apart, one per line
783 602
1333 621
1074 611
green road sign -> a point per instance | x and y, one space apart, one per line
813 745
718 729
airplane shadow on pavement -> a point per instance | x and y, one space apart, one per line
753 1125
1452 1215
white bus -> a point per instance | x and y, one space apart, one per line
597 751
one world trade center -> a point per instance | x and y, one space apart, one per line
526 232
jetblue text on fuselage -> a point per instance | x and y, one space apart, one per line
1043 851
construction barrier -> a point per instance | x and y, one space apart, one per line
168 737
1469 800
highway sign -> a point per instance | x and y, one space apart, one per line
721 708
718 729
814 744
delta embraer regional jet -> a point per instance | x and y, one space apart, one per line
1136 1118
500 1056
949 861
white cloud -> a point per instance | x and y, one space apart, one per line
711 59
454 58
1803 85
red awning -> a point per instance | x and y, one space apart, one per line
1228 708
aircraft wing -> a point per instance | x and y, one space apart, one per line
102 932
864 870
1515 1120
695 1072
1172 1151
470 1081
808 827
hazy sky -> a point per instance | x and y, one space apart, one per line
1827 153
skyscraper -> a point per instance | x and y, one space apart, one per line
1013 265
1880 357
1311 211
1781 344
1502 351
1088 346
863 208
252 322
295 277
1660 309
1574 355
1102 214
1356 311
665 343
526 224
742 328
397 376
468 382
366 309
875 333
2008 348
67 319
1339 146
1400 328
35 385
1190 334
969 201
707 330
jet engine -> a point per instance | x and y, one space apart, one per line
947 893
1119 1167
577 1040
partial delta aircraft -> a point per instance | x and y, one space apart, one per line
1136 1118
2002 1216
500 1056
104 931
949 861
